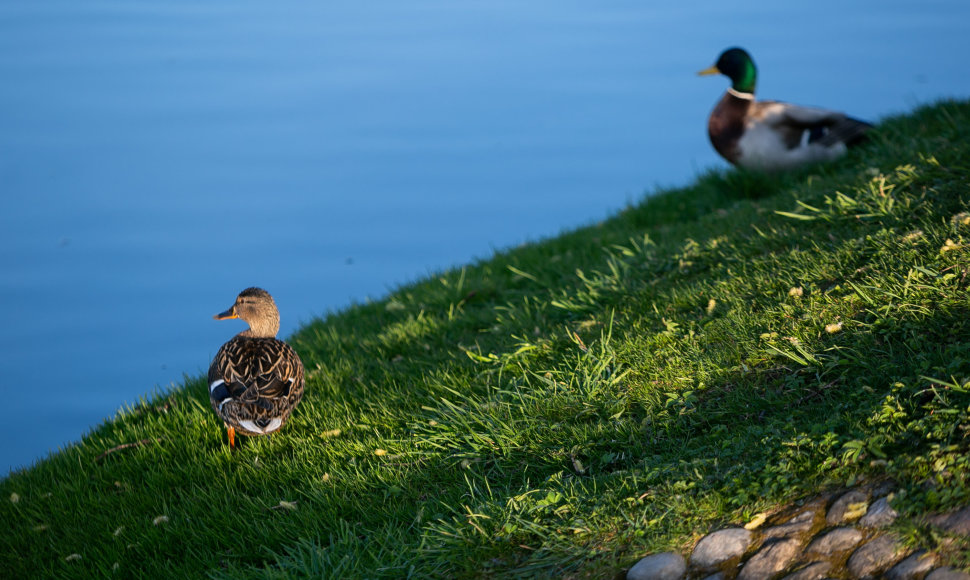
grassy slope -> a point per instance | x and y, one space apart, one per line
571 404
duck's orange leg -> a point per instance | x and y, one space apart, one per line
232 437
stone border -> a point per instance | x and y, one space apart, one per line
837 536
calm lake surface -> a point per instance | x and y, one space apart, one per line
156 159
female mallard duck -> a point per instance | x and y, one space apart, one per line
770 135
255 380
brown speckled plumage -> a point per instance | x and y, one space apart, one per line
255 380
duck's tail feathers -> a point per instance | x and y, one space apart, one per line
846 130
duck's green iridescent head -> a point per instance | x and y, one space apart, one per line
737 65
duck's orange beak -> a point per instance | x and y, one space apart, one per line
231 313
709 71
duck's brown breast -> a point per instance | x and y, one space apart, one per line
726 125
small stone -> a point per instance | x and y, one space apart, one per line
880 514
838 512
770 560
913 567
883 488
719 547
875 557
797 525
947 573
666 566
837 540
814 571
954 522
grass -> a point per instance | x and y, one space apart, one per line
565 407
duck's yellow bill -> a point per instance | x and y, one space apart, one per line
709 71
231 313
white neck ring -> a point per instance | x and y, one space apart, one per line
740 95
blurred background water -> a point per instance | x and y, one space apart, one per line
156 159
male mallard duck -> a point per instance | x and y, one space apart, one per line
255 380
770 135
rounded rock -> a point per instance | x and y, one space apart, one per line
947 573
874 557
666 566
883 488
957 522
837 540
913 567
770 560
814 571
719 547
880 514
797 525
839 510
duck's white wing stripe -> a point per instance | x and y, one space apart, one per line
214 384
223 402
252 427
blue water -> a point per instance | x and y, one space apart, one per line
155 159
